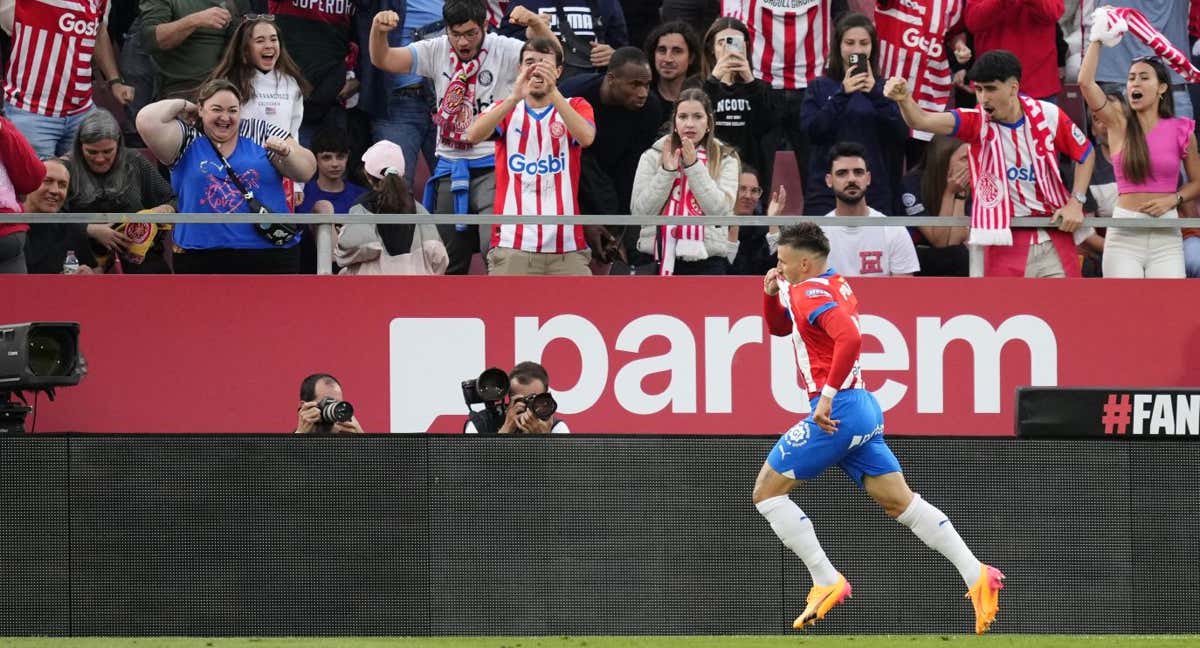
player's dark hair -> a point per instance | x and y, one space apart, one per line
457 12
527 372
845 150
627 55
996 65
805 236
308 388
543 45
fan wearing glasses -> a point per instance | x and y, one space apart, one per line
1148 143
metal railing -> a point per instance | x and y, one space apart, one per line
325 223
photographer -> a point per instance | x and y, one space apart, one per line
322 410
514 414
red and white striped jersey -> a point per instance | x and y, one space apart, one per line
912 35
1019 154
496 10
50 71
806 302
537 173
790 38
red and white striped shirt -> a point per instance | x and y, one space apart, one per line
1020 154
912 35
50 72
496 10
791 38
537 173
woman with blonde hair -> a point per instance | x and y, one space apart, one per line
689 172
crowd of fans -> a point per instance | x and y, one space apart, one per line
566 107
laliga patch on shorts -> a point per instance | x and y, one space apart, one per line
816 293
798 435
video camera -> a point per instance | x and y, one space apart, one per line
490 389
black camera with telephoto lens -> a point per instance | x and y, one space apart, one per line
335 411
490 389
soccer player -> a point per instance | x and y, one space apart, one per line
807 300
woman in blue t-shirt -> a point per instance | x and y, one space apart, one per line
204 155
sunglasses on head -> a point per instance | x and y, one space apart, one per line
1148 59
258 18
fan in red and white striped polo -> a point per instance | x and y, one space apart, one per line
537 173
791 38
50 72
912 35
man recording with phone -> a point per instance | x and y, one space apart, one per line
519 403
322 409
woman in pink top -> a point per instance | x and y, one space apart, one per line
1148 143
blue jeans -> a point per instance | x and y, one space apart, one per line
410 125
49 136
1191 257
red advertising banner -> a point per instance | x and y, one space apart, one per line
636 355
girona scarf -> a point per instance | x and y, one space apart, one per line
1109 24
682 240
992 207
456 110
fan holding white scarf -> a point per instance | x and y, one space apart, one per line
688 173
1148 143
1015 142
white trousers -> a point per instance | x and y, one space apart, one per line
1143 253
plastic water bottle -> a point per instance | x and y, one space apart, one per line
71 263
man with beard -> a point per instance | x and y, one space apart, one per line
862 251
539 137
1015 143
628 116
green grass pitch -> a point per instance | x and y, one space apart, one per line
790 641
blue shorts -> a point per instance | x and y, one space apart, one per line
857 447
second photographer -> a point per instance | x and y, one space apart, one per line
519 403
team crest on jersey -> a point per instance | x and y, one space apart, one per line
817 293
557 130
987 190
485 78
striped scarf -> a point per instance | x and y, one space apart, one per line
1110 23
682 240
456 110
992 207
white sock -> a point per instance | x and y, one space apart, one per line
936 531
796 532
